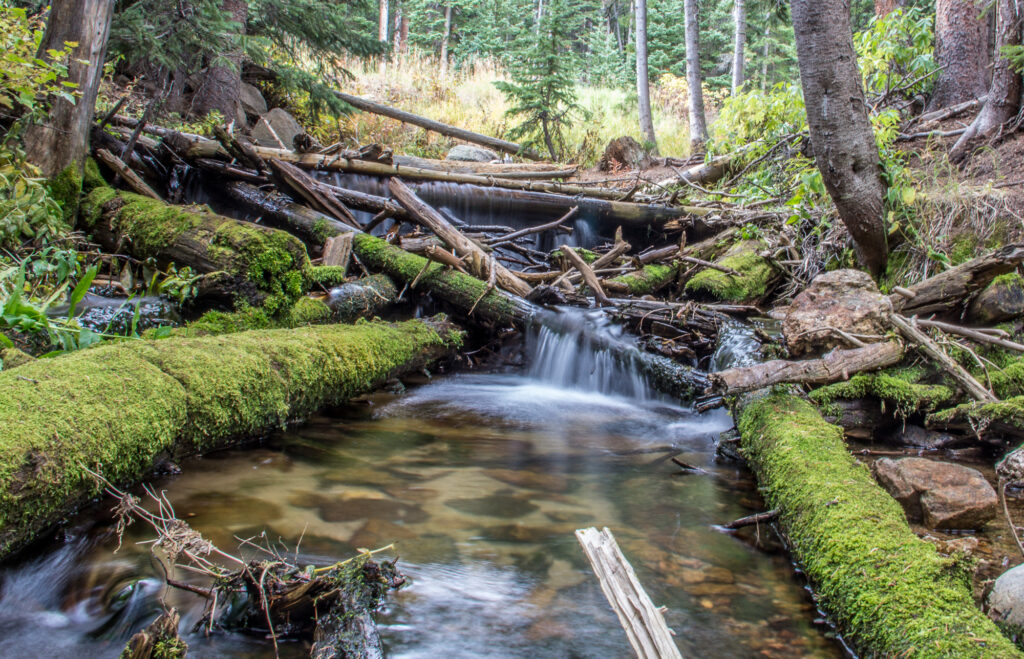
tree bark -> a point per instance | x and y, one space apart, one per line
698 122
642 79
62 141
885 7
382 21
961 49
841 135
446 36
739 14
1004 91
222 82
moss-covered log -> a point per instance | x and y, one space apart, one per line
649 279
119 408
750 285
899 390
264 266
1004 418
362 298
891 593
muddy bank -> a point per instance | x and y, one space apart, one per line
120 409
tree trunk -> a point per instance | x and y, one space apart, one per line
382 21
698 123
1004 91
885 7
446 37
642 81
961 49
62 142
843 141
766 51
739 14
222 83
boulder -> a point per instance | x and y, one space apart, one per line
942 494
470 153
624 153
1006 601
842 299
1002 300
252 100
277 123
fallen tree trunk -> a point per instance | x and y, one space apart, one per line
834 366
135 401
951 290
890 593
703 173
508 170
438 127
260 265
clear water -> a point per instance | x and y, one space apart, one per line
480 481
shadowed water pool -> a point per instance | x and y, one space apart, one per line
480 481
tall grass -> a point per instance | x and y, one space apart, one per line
467 98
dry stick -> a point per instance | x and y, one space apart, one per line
714 266
751 520
133 180
620 248
972 333
537 229
588 275
912 333
463 246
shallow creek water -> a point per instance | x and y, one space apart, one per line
480 481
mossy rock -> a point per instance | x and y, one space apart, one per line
750 285
890 593
13 358
327 275
118 407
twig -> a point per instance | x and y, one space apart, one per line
750 520
912 333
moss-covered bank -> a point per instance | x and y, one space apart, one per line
119 408
891 593
898 388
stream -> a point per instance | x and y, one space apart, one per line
480 480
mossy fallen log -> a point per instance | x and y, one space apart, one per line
751 285
891 593
649 279
1003 418
263 266
899 389
120 408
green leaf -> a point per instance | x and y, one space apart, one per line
81 289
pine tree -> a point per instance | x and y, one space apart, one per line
542 91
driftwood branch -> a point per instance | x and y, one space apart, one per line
832 367
644 623
588 275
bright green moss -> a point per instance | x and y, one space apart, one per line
13 358
1007 382
963 248
327 275
116 408
91 209
896 387
454 287
587 255
305 311
1009 412
890 593
91 177
750 285
649 279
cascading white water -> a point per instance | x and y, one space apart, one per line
570 350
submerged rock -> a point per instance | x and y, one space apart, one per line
847 300
531 480
495 505
345 510
1006 601
470 153
942 494
911 435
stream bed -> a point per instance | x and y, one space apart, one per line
480 480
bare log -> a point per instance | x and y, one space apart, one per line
972 333
705 172
306 186
644 623
463 246
834 366
133 180
966 380
438 127
949 291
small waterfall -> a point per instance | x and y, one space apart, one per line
570 350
